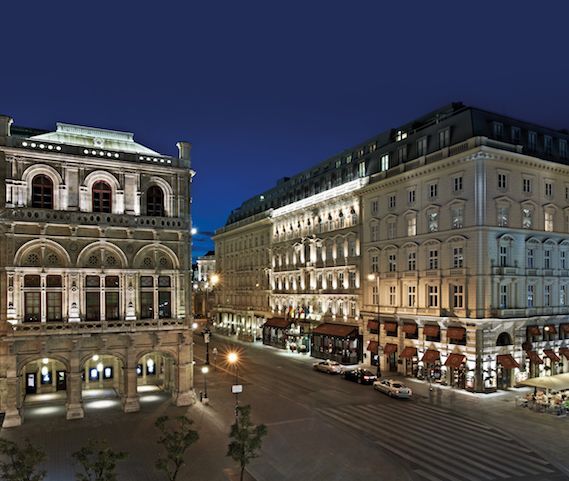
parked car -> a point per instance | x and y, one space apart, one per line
393 388
359 375
331 367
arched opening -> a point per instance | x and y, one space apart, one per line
155 372
42 192
102 197
43 389
155 201
504 339
103 380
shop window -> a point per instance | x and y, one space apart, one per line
42 192
101 197
107 372
155 201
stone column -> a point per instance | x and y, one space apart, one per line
13 416
183 389
74 403
130 402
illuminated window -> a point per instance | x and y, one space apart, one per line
384 162
433 221
457 217
527 218
531 295
400 135
411 225
503 216
457 257
548 224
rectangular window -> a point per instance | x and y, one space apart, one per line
457 217
391 201
444 138
530 259
433 296
433 190
563 259
563 148
411 261
548 189
503 296
422 146
498 130
527 186
164 305
547 259
548 221
400 135
392 295
502 181
433 259
374 207
532 140
411 295
402 153
411 226
457 184
352 280
562 295
374 263
374 295
351 247
433 221
374 232
457 296
340 280
411 196
391 230
362 169
547 295
384 162
503 216
93 305
392 261
147 305
531 295
457 257
32 306
54 307
548 144
503 256
112 306
516 135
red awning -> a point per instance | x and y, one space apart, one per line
409 328
390 326
534 331
431 330
390 348
372 325
372 346
565 328
507 361
456 333
431 356
408 352
564 351
550 353
278 323
454 360
550 328
534 358
335 330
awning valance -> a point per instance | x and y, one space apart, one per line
390 348
390 326
564 351
372 325
372 346
454 360
456 333
550 328
431 330
335 330
409 328
278 323
408 352
534 331
430 356
565 328
550 353
507 361
534 358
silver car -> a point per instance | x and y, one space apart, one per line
393 388
331 367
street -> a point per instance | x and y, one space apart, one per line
320 427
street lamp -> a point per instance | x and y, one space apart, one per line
372 277
205 370
233 359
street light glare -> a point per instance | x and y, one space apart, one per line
194 230
205 369
214 279
194 325
371 277
232 357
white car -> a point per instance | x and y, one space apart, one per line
393 388
331 367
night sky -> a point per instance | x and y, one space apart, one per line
266 89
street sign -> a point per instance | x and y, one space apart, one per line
206 337
237 388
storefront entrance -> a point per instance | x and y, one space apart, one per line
338 342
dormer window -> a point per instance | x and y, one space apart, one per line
400 135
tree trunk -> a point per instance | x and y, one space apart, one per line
242 473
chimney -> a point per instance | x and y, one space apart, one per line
184 149
5 123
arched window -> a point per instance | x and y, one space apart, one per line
155 201
102 197
42 192
504 339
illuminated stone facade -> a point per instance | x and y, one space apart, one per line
95 278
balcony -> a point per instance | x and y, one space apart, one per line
27 214
100 327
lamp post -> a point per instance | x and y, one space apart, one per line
233 359
205 370
372 277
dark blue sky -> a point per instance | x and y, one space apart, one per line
266 89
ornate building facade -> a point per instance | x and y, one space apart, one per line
95 279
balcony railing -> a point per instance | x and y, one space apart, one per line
27 214
79 328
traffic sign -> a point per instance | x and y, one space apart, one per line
237 388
